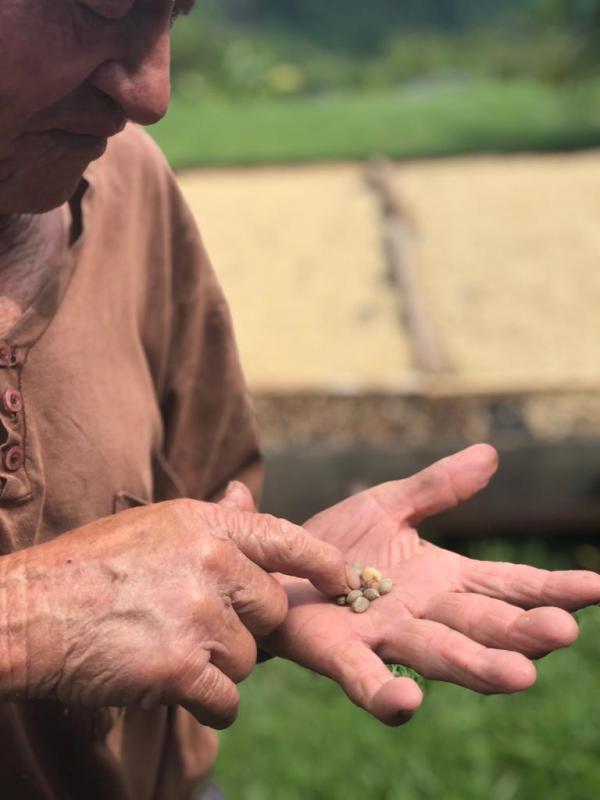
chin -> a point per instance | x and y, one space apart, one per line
37 191
41 203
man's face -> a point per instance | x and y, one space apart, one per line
71 74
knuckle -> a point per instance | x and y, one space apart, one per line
272 610
279 606
189 664
261 603
201 517
209 688
186 508
214 553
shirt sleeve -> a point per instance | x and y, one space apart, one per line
210 435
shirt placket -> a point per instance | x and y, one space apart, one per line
14 482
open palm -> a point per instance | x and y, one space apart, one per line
474 623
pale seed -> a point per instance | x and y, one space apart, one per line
371 594
341 601
360 605
386 586
357 568
355 594
371 575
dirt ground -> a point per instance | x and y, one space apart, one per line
509 256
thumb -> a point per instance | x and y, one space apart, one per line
368 683
441 486
238 497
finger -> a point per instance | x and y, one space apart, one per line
443 654
497 624
443 485
234 654
277 545
368 683
211 697
530 587
238 497
257 598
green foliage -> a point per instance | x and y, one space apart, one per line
364 27
434 118
582 18
581 14
279 91
400 671
299 737
217 61
215 54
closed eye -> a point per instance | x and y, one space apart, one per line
91 17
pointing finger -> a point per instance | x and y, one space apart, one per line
277 545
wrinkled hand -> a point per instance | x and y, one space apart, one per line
156 605
474 623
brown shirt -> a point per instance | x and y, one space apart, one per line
119 385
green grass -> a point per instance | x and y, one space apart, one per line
428 121
299 738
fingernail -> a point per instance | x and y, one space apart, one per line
352 577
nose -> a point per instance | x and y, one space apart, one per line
139 81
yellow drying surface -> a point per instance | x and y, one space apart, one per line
508 249
299 253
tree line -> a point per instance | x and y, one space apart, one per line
364 26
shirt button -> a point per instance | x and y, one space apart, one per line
12 401
7 355
14 458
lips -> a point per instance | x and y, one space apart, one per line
93 139
94 146
93 128
96 132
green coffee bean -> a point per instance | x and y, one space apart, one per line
355 594
360 605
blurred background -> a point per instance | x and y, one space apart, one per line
402 201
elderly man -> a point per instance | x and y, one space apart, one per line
136 576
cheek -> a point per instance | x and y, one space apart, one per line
43 63
34 78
